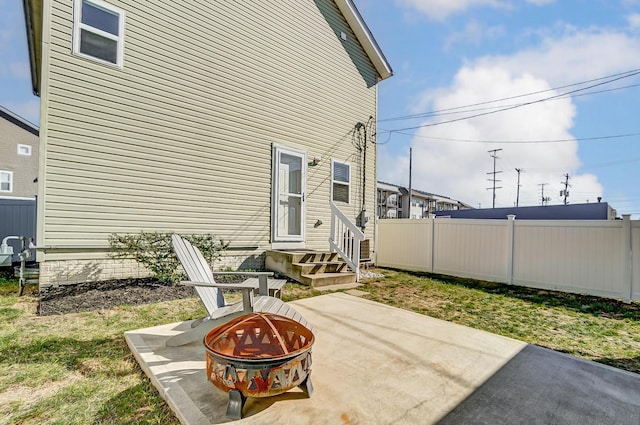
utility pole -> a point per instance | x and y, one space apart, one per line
410 190
542 185
493 154
518 170
566 184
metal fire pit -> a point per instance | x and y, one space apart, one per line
258 355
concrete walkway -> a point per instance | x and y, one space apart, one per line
375 364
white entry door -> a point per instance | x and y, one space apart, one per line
289 177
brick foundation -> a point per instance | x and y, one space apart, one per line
69 272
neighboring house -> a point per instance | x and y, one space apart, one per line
230 117
389 201
592 211
19 148
19 143
393 202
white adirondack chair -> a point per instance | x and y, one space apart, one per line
202 279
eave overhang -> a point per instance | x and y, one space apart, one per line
365 37
33 24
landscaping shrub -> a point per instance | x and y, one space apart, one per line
155 252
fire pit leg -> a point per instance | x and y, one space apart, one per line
307 386
235 404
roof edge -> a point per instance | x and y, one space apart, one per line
30 20
19 121
365 37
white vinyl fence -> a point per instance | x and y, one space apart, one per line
595 257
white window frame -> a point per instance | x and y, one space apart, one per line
10 174
333 181
27 149
78 26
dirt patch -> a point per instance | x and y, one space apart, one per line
105 294
91 296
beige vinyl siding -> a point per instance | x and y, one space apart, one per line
180 139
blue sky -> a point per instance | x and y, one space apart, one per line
455 53
450 54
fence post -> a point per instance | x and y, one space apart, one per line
510 246
627 259
433 241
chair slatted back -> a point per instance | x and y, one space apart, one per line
198 270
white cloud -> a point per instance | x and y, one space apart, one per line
541 2
634 21
459 169
573 56
440 9
475 32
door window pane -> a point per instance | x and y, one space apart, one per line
293 165
290 215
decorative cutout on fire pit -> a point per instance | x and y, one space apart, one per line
259 335
258 355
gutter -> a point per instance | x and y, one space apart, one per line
30 25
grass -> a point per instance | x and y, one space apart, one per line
77 369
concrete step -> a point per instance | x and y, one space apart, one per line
319 280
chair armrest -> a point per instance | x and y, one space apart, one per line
247 291
241 285
243 273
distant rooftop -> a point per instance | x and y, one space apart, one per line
19 121
592 211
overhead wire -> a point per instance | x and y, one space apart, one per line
579 139
439 114
432 113
508 108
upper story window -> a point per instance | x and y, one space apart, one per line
340 181
6 181
98 31
24 150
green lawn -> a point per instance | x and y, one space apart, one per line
77 369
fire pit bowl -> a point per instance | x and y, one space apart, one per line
258 355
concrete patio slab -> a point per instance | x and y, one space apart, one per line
375 364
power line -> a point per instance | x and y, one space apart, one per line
509 107
576 139
444 111
632 72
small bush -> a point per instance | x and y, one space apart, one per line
155 252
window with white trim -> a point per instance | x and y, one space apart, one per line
98 31
6 181
340 181
24 150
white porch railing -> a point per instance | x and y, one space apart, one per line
345 239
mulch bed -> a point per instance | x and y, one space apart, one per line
91 296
